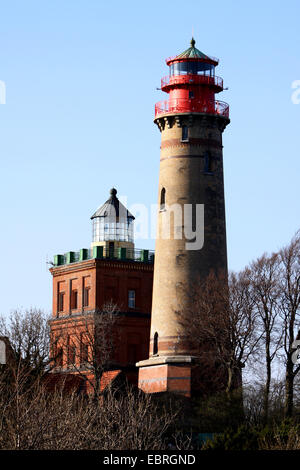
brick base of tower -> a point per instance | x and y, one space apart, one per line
167 374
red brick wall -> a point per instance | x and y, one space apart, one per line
106 280
166 378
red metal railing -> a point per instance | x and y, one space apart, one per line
191 79
197 106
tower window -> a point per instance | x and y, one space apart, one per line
131 298
155 344
61 297
208 163
71 354
185 133
59 357
86 300
163 199
191 95
84 353
74 299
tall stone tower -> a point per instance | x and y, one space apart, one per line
191 238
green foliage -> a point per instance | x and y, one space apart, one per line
254 438
283 436
217 412
244 438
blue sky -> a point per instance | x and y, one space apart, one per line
81 80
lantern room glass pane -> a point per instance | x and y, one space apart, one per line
194 68
112 231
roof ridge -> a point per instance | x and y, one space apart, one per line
192 52
118 208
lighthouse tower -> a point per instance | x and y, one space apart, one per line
191 237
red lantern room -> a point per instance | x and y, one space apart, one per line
192 85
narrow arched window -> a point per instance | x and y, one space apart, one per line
208 163
162 199
155 343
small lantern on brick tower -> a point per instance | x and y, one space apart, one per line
113 226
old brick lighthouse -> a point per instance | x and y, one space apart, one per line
191 123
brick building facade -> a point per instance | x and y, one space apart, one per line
111 273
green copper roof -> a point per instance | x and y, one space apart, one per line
192 53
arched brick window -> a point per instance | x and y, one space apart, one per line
163 199
155 343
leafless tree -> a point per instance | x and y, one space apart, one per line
221 325
27 333
290 313
264 275
37 419
253 400
87 341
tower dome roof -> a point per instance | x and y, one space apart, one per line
112 208
192 53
